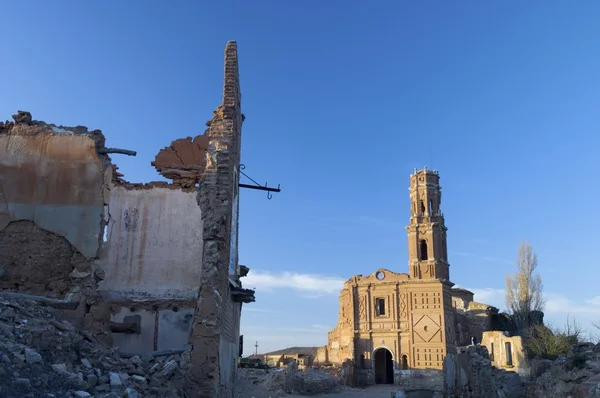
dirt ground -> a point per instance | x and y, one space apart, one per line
254 383
381 391
378 391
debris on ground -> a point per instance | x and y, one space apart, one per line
42 356
278 382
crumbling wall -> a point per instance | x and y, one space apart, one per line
340 340
506 351
168 264
150 256
54 177
52 185
472 319
340 344
322 356
150 266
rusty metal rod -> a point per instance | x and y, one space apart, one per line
116 150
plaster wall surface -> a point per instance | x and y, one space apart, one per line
228 350
131 342
154 243
54 180
174 328
159 329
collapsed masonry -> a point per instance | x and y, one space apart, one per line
142 267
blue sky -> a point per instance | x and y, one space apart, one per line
342 101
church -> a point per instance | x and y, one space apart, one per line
391 321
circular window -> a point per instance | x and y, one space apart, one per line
380 275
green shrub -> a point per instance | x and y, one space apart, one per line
543 342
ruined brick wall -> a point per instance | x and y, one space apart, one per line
322 356
472 319
340 340
52 185
215 345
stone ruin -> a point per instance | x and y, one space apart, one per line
124 262
470 373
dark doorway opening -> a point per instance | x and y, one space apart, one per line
404 362
384 367
508 348
423 250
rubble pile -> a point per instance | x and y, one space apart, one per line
329 370
44 356
306 382
575 375
313 382
277 382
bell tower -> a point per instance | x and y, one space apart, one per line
427 248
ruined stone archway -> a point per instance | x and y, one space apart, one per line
384 366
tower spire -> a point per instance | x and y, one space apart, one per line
427 248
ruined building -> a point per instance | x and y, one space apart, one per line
140 266
391 321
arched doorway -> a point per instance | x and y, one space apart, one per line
404 362
384 366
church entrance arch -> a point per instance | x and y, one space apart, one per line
384 366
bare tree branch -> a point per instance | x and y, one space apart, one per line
524 289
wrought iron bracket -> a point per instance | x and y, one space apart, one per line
257 186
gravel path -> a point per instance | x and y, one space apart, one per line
382 391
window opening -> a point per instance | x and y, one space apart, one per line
379 306
423 250
509 360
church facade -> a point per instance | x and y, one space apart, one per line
392 321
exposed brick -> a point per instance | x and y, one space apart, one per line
216 313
